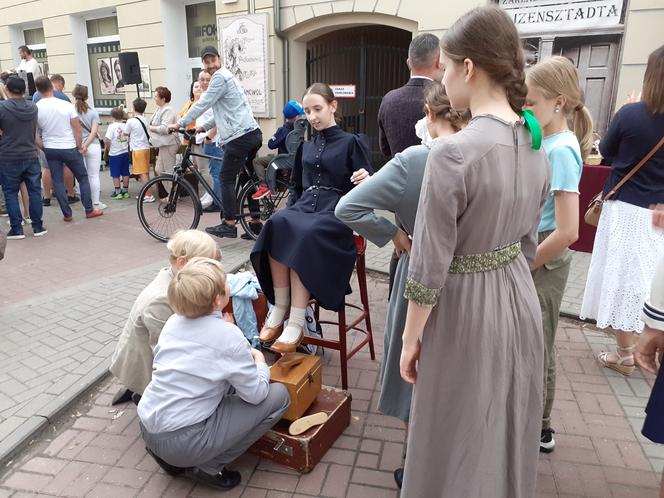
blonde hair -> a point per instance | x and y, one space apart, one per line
557 76
192 243
193 289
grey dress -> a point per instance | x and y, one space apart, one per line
476 412
396 188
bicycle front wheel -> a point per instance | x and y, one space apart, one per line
252 211
176 207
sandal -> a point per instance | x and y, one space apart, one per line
618 366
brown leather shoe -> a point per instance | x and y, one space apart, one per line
269 334
286 347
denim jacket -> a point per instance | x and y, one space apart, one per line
232 113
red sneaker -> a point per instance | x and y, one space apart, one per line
67 218
94 213
262 191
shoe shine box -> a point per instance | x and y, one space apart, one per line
302 376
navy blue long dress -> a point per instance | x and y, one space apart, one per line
306 236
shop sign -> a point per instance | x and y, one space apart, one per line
343 91
244 52
539 16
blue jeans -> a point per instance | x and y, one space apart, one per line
57 158
214 166
12 173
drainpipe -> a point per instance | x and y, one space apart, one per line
276 16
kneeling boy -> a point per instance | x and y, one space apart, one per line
210 396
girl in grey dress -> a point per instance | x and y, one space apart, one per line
472 344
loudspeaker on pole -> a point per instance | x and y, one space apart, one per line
130 67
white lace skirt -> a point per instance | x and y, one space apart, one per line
625 256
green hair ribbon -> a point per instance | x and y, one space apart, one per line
533 127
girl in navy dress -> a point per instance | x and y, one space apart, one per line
304 251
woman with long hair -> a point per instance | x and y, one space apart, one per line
627 248
90 148
396 188
554 97
305 251
472 343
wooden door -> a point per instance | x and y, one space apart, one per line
596 59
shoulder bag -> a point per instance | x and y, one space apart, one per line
154 151
595 207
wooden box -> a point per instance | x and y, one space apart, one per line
303 452
302 376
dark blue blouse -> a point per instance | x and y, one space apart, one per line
327 162
633 132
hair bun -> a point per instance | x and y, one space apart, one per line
578 107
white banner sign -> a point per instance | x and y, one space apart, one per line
244 52
343 91
539 16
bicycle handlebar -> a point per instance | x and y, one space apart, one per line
189 134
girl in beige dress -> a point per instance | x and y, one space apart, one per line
474 320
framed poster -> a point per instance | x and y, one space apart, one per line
146 86
244 52
118 83
101 56
105 77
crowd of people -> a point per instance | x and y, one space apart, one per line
483 180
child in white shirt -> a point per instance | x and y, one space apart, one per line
210 396
118 154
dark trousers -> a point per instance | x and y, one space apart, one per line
57 158
12 173
237 152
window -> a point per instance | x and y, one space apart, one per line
103 49
201 32
34 38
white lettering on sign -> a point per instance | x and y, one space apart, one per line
536 16
343 91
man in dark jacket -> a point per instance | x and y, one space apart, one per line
19 160
402 107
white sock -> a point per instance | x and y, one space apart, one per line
293 330
281 304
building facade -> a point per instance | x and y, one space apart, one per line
278 47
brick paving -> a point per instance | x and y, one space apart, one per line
96 450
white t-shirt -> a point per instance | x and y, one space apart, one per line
54 120
31 66
137 138
115 133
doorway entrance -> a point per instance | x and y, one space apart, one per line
373 58
596 58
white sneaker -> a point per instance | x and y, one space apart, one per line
148 199
206 200
100 206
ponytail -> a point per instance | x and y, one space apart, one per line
582 124
80 93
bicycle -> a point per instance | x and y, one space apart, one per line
178 207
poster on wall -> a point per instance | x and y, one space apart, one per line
101 57
244 52
145 87
540 16
118 83
105 77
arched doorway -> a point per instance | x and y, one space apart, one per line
373 58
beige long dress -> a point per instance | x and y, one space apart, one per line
477 405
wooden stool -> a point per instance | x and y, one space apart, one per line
344 327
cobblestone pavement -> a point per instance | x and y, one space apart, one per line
96 451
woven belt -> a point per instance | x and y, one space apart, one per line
488 261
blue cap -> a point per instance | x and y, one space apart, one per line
292 109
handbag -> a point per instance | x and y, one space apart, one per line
154 151
595 207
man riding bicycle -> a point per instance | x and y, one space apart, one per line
237 132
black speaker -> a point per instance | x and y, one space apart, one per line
130 68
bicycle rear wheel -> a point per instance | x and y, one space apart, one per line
176 207
263 208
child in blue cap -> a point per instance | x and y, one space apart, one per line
278 141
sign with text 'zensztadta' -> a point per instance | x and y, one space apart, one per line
540 16
343 91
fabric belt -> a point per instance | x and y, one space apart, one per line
488 261
324 187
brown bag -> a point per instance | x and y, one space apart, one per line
595 207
